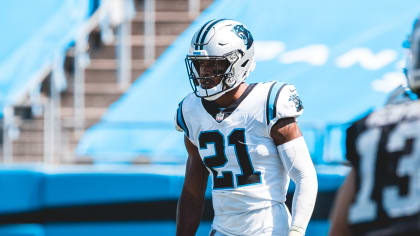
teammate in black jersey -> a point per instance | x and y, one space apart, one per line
381 195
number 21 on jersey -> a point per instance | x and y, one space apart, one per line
236 139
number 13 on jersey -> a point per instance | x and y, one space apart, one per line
236 139
392 185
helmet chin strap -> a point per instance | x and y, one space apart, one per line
204 92
216 96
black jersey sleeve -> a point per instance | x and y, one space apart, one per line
351 152
352 134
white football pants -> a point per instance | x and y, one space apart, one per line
270 221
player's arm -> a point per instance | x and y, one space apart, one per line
297 161
191 201
338 218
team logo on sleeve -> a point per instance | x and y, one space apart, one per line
296 100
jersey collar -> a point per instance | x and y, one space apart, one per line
220 113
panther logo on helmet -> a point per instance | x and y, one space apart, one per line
244 34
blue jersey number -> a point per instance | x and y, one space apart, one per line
237 140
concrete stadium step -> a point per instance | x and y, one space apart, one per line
137 47
167 23
17 158
30 146
109 75
161 40
90 112
111 64
98 100
35 150
171 5
105 70
68 123
137 52
98 88
29 138
37 136
92 116
34 125
37 125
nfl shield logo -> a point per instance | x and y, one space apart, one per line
220 116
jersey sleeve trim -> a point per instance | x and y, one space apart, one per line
272 97
180 119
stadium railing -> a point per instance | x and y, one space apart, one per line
104 13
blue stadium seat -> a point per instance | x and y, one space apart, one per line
36 35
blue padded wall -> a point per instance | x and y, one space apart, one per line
21 190
75 186
22 230
26 189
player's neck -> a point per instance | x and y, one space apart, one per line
230 97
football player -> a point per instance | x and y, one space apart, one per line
245 136
381 195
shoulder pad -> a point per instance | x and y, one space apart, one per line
179 120
282 102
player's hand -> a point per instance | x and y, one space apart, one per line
295 233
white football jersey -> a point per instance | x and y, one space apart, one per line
236 148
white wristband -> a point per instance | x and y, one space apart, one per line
296 231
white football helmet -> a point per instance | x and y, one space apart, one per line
227 44
413 62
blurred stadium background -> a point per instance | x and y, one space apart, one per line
89 88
